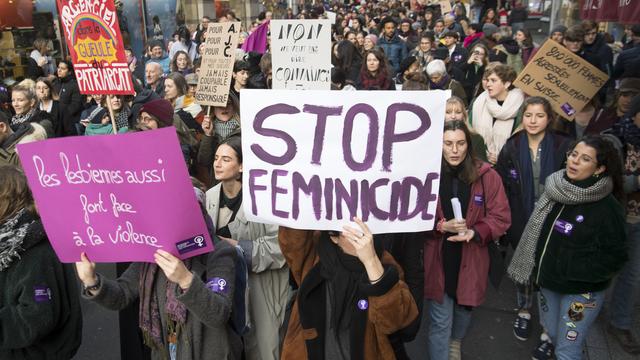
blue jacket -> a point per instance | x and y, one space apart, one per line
395 50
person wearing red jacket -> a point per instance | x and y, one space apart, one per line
456 257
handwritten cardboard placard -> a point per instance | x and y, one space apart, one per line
93 37
218 56
314 159
445 7
117 198
301 54
563 78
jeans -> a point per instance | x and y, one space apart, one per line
446 321
626 286
524 296
567 319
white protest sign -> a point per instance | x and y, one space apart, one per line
301 54
331 16
314 159
218 57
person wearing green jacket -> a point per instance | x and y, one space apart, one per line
570 250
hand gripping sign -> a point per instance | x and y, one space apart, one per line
117 198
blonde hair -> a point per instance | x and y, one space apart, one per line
456 101
14 192
38 133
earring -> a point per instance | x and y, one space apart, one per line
595 175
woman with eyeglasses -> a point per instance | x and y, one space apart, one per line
524 163
573 245
46 102
425 49
456 255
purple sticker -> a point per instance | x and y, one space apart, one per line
478 199
513 173
363 304
568 109
563 227
579 218
195 243
41 294
218 285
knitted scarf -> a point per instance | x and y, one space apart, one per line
485 109
379 82
443 84
22 118
149 317
12 236
558 189
122 118
547 166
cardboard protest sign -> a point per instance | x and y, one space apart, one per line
218 56
93 37
301 54
117 198
315 159
563 78
445 7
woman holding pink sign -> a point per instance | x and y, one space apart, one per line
185 306
269 275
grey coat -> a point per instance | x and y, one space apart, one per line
268 279
207 334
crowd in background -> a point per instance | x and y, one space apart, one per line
529 181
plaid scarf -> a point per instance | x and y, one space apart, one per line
557 189
149 317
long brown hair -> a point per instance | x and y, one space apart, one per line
469 166
14 192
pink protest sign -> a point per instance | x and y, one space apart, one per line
117 198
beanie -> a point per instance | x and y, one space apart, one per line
161 110
97 115
489 29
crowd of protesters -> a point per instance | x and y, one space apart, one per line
529 181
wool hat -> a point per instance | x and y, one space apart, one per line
489 29
558 28
161 110
373 38
97 115
192 79
630 85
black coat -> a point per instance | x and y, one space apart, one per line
472 78
508 167
71 104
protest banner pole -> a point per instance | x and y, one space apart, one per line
113 118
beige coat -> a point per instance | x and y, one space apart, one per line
268 279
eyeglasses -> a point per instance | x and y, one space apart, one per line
145 119
585 159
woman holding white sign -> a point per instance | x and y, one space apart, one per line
269 274
456 257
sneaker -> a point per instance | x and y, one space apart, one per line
544 351
454 350
522 327
625 338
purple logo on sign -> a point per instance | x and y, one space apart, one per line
579 218
188 245
41 294
568 109
514 174
363 304
478 199
563 227
218 285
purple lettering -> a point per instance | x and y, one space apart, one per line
372 138
313 188
322 112
261 116
349 198
396 188
428 195
253 174
369 201
328 198
275 190
390 137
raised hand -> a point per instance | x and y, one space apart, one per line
86 270
174 269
